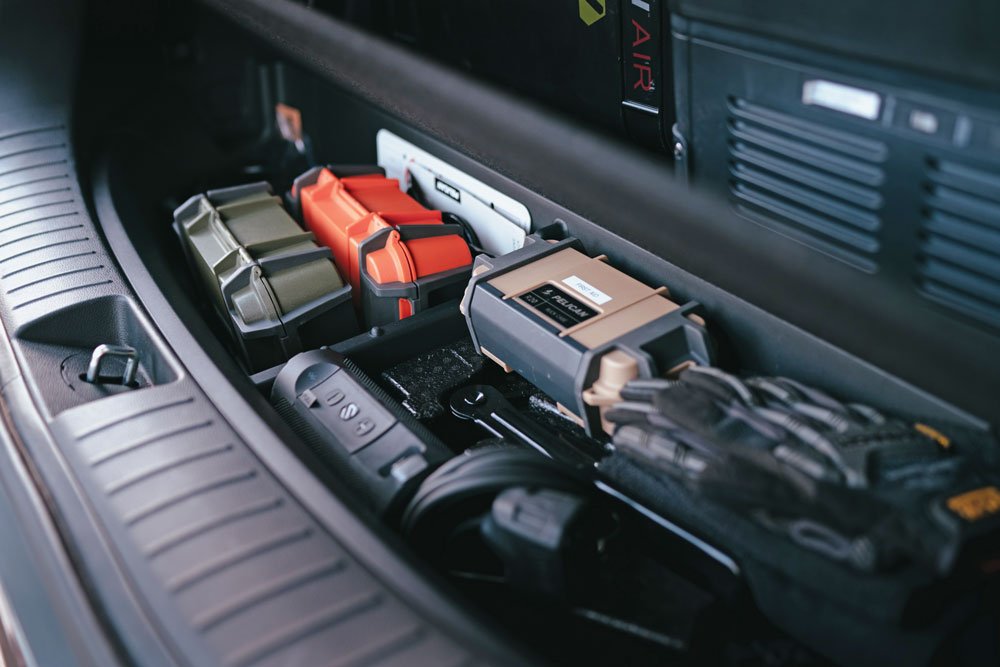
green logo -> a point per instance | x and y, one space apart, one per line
592 11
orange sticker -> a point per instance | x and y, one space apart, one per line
937 436
977 504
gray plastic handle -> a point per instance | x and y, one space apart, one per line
102 352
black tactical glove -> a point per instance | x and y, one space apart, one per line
842 479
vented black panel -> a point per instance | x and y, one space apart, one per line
812 183
959 262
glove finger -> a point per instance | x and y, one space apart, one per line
812 394
722 384
646 389
630 413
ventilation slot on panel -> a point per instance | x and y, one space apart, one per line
959 261
814 184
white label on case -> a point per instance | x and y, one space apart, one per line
587 290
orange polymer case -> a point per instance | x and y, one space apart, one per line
345 213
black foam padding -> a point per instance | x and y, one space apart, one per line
423 380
